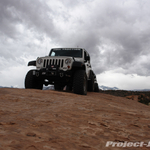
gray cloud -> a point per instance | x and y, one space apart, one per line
32 14
122 25
116 34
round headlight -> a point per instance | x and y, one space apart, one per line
68 61
39 61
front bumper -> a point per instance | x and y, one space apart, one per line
46 73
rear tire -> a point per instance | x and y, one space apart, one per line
80 82
32 82
91 85
96 89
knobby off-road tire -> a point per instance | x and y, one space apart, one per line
33 82
80 82
91 85
96 89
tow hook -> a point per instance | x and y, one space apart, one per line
61 75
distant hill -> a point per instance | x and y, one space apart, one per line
50 87
102 87
7 87
144 90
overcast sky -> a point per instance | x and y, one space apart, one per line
115 33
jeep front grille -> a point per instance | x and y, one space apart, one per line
59 62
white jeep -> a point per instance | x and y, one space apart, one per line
63 67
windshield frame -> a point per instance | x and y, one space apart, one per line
68 49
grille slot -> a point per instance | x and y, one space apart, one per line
44 65
59 62
47 63
50 61
62 62
53 62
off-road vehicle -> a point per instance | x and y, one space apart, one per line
68 67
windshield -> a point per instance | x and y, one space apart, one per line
66 52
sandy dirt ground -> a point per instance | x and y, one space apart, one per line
52 120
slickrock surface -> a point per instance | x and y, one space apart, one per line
52 120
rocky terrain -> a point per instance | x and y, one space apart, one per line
140 96
52 120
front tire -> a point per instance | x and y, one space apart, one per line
32 82
80 82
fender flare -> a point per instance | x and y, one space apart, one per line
77 64
32 63
91 74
